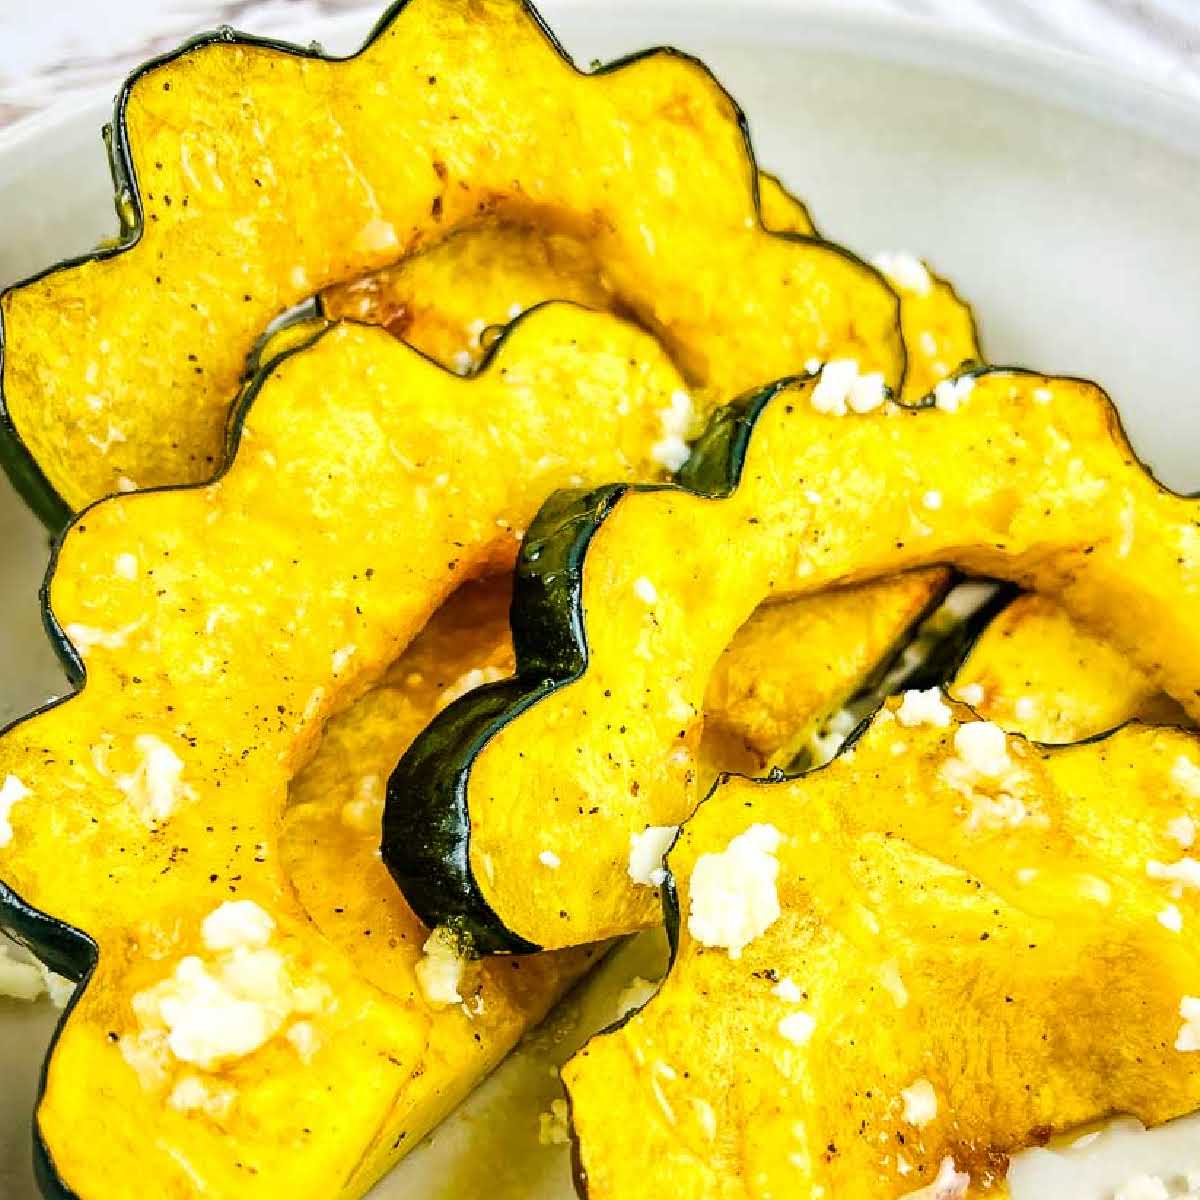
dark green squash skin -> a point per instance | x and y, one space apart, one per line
17 460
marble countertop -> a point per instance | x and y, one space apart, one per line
50 52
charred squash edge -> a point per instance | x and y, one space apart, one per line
427 823
17 459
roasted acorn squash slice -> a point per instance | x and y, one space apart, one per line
945 946
625 600
219 627
1036 671
448 116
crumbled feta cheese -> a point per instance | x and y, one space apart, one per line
635 995
1183 830
85 638
1171 918
209 1021
126 566
440 971
893 984
733 896
11 793
950 394
1183 874
146 1053
342 657
303 1037
19 980
468 682
950 1184
841 388
646 591
920 1103
923 708
155 787
554 1127
237 923
671 451
786 989
365 811
812 366
1002 811
1143 1187
971 693
549 859
982 771
59 990
797 1027
904 272
1188 1041
193 1094
932 500
646 852
210 1013
867 392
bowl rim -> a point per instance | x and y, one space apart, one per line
1113 92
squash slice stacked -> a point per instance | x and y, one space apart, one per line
312 581
622 608
256 176
949 947
236 618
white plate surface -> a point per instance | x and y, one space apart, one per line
1061 199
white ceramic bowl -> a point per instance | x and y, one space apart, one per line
1059 196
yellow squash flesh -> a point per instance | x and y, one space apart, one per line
220 627
938 328
1036 672
1036 484
967 972
793 665
445 299
263 176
